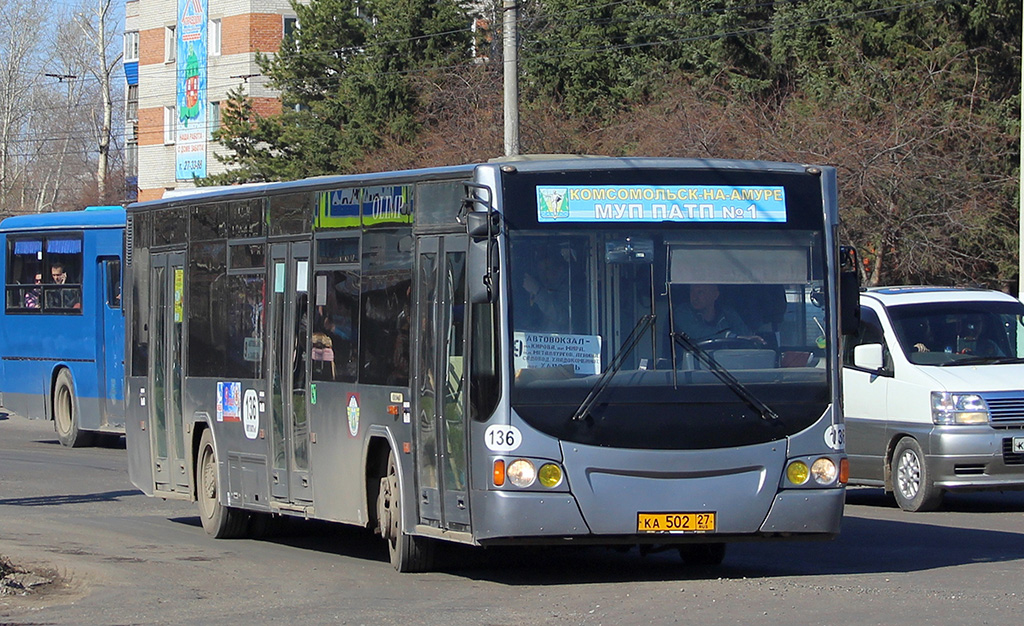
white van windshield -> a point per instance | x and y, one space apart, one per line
960 333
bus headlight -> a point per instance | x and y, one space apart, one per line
550 475
797 472
958 408
824 471
521 472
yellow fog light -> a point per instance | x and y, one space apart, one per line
824 471
521 473
550 475
797 472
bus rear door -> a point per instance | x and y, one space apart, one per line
167 285
286 375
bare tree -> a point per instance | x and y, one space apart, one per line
21 23
96 20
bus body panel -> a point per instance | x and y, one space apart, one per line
613 486
35 346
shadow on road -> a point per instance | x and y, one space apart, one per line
915 542
109 496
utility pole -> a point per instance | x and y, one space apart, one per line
511 57
1020 189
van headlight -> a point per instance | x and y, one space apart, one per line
958 408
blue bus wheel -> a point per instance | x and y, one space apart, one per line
65 413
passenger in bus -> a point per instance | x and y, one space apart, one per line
69 298
706 317
32 295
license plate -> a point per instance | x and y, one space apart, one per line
703 522
1018 444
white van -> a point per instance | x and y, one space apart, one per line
933 393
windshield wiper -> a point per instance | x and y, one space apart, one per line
725 376
983 360
617 361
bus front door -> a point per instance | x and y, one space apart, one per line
167 280
440 398
287 372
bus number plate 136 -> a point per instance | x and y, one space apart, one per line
703 522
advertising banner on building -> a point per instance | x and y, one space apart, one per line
191 134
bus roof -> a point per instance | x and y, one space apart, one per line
90 217
524 163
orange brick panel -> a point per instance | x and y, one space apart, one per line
151 46
151 194
251 32
151 126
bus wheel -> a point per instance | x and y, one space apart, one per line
408 553
702 554
911 480
220 521
65 413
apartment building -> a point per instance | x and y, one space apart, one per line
181 58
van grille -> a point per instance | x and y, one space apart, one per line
1009 456
1006 408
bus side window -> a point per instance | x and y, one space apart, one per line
23 267
112 272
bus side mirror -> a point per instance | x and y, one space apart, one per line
849 291
482 262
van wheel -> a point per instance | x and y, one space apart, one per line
65 413
408 553
911 480
219 520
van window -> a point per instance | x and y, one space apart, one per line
870 331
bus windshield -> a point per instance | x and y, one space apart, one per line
668 338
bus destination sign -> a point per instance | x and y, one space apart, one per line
661 203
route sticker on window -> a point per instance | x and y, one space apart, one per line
538 350
499 438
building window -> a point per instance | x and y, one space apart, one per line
131 105
131 46
170 124
214 116
170 44
291 27
213 37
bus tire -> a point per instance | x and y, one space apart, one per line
65 413
702 554
911 481
219 521
408 553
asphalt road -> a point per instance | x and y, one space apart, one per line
123 558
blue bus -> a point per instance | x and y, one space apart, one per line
62 332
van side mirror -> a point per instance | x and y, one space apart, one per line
849 291
868 356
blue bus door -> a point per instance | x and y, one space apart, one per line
111 341
440 375
288 371
167 281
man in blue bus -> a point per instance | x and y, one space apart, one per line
69 298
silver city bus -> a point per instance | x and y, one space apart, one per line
574 350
